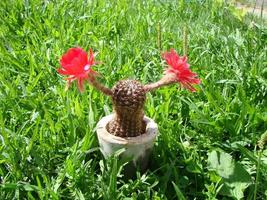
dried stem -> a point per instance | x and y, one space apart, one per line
167 79
185 40
159 37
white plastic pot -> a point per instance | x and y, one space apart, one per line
136 149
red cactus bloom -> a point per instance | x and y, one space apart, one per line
179 66
77 66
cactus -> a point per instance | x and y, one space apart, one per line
128 96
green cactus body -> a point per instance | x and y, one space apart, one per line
128 97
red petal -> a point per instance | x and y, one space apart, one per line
73 63
91 58
80 84
179 66
70 55
62 72
188 86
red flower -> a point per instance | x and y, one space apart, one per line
179 66
77 66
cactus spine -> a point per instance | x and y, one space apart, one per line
128 97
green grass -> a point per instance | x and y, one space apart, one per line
48 143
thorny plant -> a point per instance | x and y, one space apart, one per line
128 96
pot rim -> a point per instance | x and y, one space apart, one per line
148 136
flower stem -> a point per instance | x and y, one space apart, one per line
100 87
167 79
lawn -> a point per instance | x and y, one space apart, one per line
207 146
